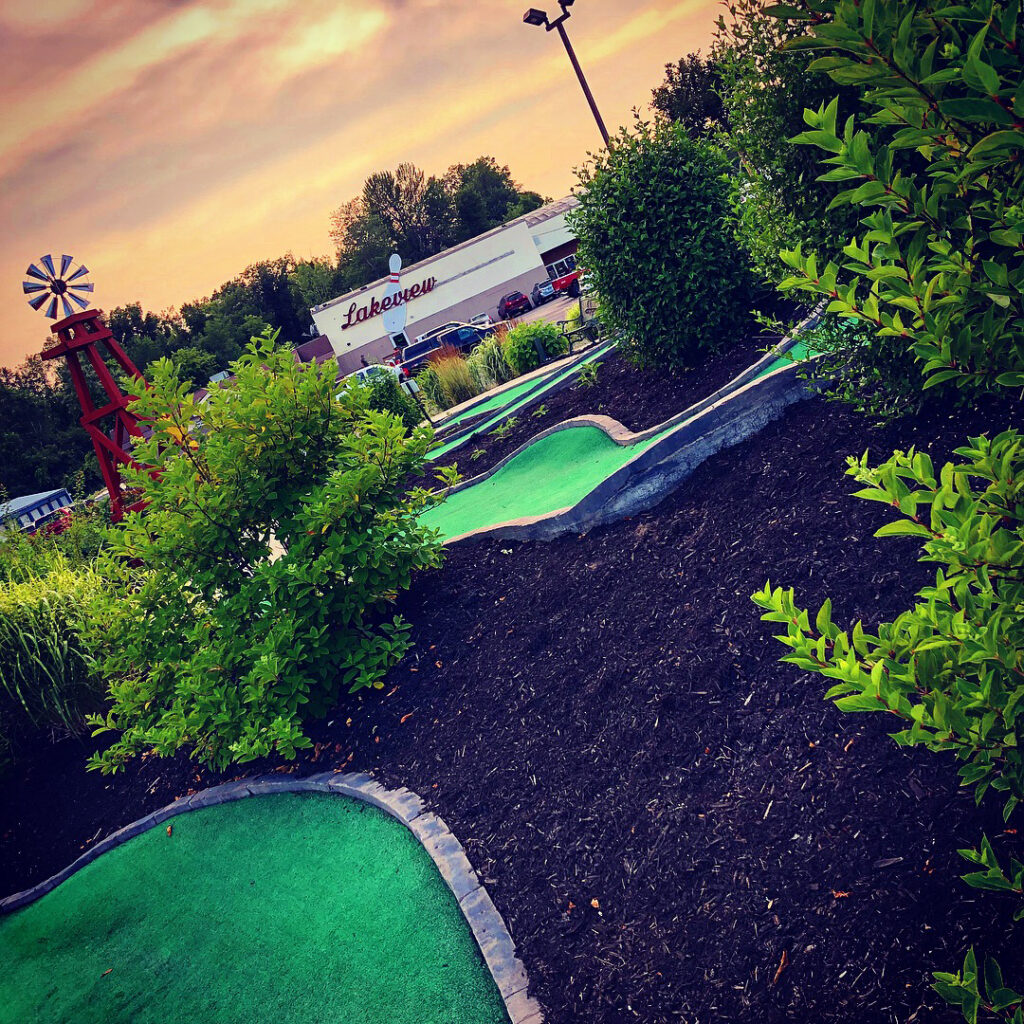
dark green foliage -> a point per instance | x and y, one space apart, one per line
194 366
655 232
406 211
259 583
691 96
520 345
765 89
387 395
938 266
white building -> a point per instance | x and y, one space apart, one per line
453 285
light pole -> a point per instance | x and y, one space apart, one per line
536 17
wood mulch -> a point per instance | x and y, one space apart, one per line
675 826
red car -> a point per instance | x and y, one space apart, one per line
513 304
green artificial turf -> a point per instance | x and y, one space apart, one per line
553 473
515 398
286 909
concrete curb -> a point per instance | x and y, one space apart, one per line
488 927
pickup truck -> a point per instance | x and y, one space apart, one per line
568 284
464 337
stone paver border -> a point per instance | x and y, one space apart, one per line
486 924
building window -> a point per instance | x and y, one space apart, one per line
561 267
25 520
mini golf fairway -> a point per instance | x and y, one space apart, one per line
517 397
553 473
286 909
556 471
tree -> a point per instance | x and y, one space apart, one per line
214 643
317 281
691 96
417 216
765 88
655 233
194 366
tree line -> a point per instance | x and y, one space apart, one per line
42 445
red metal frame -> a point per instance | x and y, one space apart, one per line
80 335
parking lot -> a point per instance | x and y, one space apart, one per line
555 310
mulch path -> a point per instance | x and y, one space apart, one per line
638 399
664 814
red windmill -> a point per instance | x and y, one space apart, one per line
82 336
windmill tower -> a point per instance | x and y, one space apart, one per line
82 339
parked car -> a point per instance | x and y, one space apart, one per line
440 329
464 337
543 291
367 373
513 304
482 320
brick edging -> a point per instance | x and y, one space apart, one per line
486 924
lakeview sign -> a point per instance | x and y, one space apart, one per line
360 314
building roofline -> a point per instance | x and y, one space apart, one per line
531 220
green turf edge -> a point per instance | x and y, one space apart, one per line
297 907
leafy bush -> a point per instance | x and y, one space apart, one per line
73 538
521 345
938 269
453 376
258 582
487 364
939 266
387 395
765 88
47 679
655 230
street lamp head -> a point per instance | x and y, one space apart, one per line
535 17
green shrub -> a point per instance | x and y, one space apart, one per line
387 395
454 379
521 345
259 581
765 88
656 236
47 679
487 364
951 666
938 266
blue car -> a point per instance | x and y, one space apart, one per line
543 291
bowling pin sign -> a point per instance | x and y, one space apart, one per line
396 315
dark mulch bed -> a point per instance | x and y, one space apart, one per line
660 809
638 399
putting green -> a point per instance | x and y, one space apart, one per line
290 908
553 473
515 398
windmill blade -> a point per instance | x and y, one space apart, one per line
83 303
80 272
38 301
84 287
47 261
33 271
30 286
68 308
65 264
51 309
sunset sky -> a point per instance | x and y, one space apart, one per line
169 143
